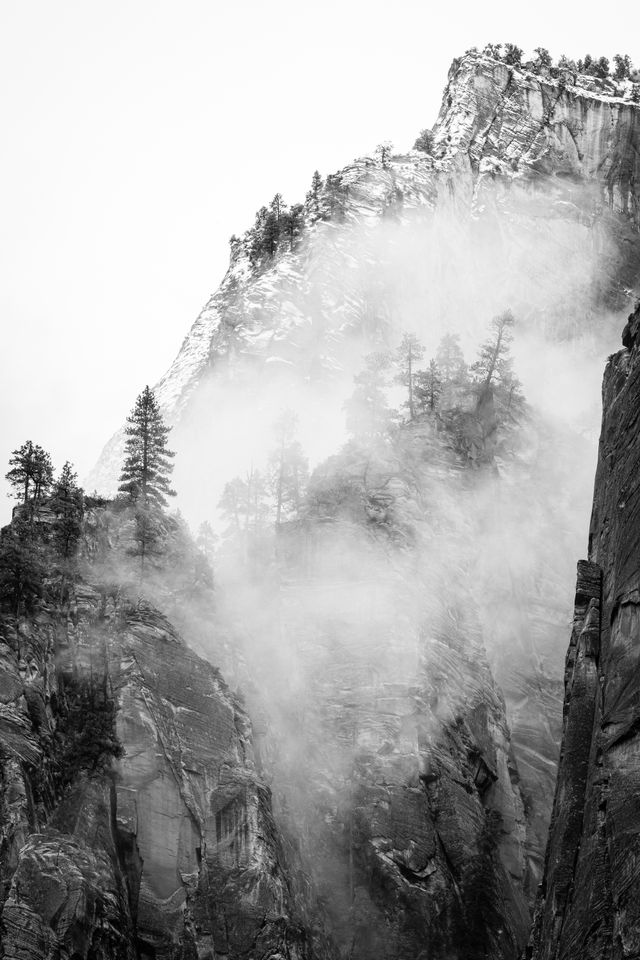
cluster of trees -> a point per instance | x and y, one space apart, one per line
41 543
445 383
444 389
542 63
27 557
250 505
276 227
280 227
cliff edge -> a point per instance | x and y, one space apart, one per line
590 896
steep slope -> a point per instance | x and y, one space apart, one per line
133 820
363 650
514 155
528 199
589 904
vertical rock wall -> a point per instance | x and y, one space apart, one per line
590 896
137 825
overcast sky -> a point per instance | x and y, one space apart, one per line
139 135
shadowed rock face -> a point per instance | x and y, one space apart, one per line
590 899
532 185
151 838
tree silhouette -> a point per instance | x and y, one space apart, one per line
428 388
407 356
31 472
424 141
494 363
147 466
368 414
288 468
66 503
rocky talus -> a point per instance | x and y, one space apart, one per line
133 822
590 896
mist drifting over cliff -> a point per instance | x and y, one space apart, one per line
399 642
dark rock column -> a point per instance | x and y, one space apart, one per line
581 691
589 906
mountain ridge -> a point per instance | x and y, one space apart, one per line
543 131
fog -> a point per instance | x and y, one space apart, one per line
342 631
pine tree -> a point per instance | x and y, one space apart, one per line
450 359
66 503
494 363
428 388
510 400
383 153
31 472
231 505
512 55
369 416
245 507
256 236
278 207
543 59
288 468
407 356
424 141
294 223
623 66
206 540
336 193
312 201
588 65
566 63
147 466
22 570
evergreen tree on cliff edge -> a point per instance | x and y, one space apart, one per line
147 466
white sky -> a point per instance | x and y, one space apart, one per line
139 135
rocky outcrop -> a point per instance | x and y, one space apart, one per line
133 820
528 199
590 891
542 173
518 125
386 737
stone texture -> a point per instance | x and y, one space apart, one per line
169 851
514 124
590 894
382 728
516 156
534 183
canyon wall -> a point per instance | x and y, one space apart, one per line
589 901
133 821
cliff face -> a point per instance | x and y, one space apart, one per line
420 815
589 897
437 707
520 126
133 820
542 173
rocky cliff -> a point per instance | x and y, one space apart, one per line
133 821
589 895
530 194
527 199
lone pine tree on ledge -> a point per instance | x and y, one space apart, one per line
147 466
145 473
